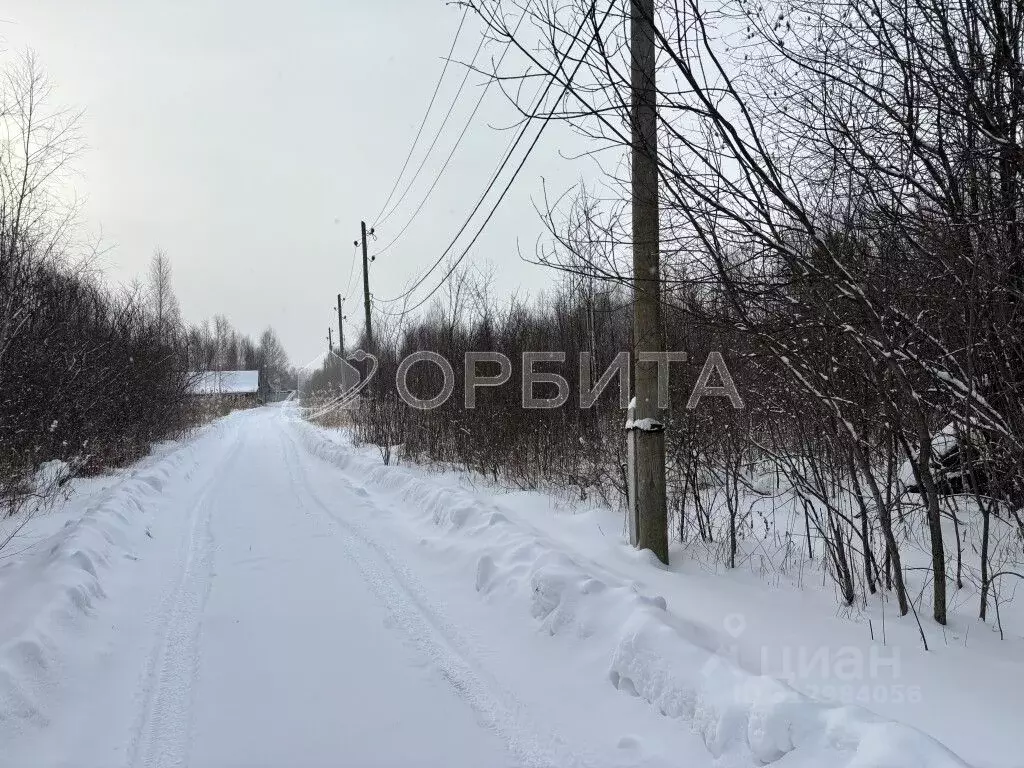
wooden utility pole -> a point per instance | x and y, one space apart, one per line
366 288
330 340
647 429
341 328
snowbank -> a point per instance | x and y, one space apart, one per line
676 666
50 580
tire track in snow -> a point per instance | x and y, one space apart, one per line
398 591
162 734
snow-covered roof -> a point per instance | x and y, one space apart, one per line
224 382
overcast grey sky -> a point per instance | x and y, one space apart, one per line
247 138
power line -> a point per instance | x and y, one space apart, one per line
455 147
351 270
437 135
426 114
546 119
506 159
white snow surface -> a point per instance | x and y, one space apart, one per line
266 594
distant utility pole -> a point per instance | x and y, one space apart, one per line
648 431
341 327
330 340
366 287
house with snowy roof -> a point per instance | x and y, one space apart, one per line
237 389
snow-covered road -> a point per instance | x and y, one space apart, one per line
260 622
266 594
290 640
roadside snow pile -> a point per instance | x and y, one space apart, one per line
48 586
677 666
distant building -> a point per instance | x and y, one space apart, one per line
229 389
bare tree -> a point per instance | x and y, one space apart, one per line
162 299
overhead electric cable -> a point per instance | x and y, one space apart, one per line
437 135
426 114
454 149
546 119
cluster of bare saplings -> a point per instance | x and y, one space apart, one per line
840 193
90 375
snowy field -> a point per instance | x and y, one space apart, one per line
266 594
